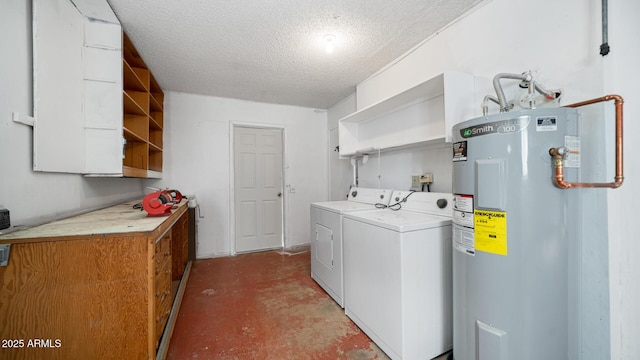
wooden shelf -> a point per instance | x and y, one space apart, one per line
136 102
130 54
155 160
157 96
128 171
156 101
143 101
131 136
136 155
136 126
135 78
156 120
155 140
154 147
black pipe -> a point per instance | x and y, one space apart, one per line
604 48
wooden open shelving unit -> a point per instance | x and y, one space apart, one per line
143 116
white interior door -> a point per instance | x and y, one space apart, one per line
258 188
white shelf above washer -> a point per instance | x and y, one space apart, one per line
422 114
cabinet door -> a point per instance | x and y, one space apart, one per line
77 82
163 298
179 241
58 143
103 98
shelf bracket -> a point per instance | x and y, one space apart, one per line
24 119
4 254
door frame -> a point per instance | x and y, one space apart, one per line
232 193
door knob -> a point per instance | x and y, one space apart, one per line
279 194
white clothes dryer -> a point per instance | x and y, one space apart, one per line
326 236
398 281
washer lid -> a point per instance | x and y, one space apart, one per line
400 221
340 207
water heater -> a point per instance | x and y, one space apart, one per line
510 236
516 232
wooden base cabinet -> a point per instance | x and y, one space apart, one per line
95 286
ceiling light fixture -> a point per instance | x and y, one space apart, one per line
329 43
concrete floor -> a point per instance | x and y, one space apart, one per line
263 306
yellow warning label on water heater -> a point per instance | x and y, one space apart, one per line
490 231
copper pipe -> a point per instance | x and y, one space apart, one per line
558 154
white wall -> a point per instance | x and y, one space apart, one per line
561 40
621 76
197 161
395 168
35 197
340 170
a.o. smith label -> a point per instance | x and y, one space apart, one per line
496 127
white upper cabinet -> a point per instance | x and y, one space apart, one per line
419 115
77 66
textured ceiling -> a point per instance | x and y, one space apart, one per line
271 50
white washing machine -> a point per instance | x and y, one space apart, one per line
398 277
326 236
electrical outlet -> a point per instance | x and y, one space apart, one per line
5 220
426 179
415 181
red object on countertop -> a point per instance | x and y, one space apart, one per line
158 203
